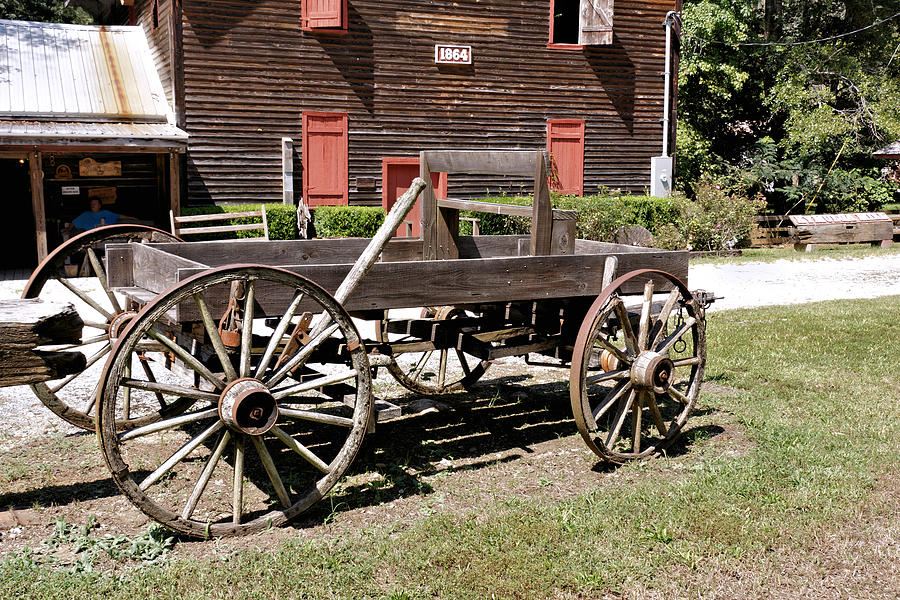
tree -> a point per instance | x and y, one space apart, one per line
793 95
49 11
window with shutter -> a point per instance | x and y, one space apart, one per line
578 23
316 15
325 158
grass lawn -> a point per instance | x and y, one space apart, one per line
788 487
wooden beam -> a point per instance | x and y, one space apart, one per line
542 215
287 171
175 183
481 162
37 203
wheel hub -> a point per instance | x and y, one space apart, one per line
652 371
247 406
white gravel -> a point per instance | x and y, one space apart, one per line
742 285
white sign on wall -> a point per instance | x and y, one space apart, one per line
453 55
71 190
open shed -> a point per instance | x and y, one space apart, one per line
83 115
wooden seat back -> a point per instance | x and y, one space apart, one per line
207 223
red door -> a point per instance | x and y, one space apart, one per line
396 176
325 158
565 144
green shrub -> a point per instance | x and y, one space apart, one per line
282 221
598 216
348 221
719 219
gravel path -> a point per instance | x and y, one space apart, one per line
743 285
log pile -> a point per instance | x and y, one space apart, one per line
28 325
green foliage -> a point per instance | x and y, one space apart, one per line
718 219
48 11
348 221
598 216
282 221
801 121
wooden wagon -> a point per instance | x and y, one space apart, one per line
235 396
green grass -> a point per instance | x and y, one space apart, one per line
773 254
812 393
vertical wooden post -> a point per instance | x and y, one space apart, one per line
37 203
175 182
287 171
542 211
429 212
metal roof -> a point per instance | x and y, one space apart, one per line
889 151
56 72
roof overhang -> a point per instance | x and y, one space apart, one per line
157 137
891 151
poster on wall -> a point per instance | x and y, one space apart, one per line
106 195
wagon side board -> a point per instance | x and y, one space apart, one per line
412 283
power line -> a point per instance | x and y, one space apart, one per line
800 43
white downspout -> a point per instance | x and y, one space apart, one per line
670 18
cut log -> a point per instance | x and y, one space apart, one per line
25 325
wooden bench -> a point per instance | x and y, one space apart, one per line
177 223
851 228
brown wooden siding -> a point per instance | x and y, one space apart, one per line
249 72
158 40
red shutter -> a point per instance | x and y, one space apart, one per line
565 144
325 158
321 14
396 176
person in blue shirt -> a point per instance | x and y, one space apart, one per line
95 217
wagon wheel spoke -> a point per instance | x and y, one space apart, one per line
442 368
179 455
660 326
278 334
316 417
84 297
611 398
306 386
676 335
631 343
677 395
636 414
203 480
467 370
82 343
417 371
619 420
247 331
237 492
644 323
272 472
90 362
163 425
187 357
145 365
215 339
687 362
101 277
657 416
300 449
611 375
95 325
126 395
300 358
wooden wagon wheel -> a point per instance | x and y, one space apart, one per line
437 371
75 272
636 371
269 433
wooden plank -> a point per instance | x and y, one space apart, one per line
27 324
466 281
220 229
481 162
155 270
37 204
541 217
845 232
502 209
174 183
289 252
217 217
429 210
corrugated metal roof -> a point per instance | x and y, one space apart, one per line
51 71
137 135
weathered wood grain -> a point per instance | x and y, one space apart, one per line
30 323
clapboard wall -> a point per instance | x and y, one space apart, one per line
249 72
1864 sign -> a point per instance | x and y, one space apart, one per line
453 55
